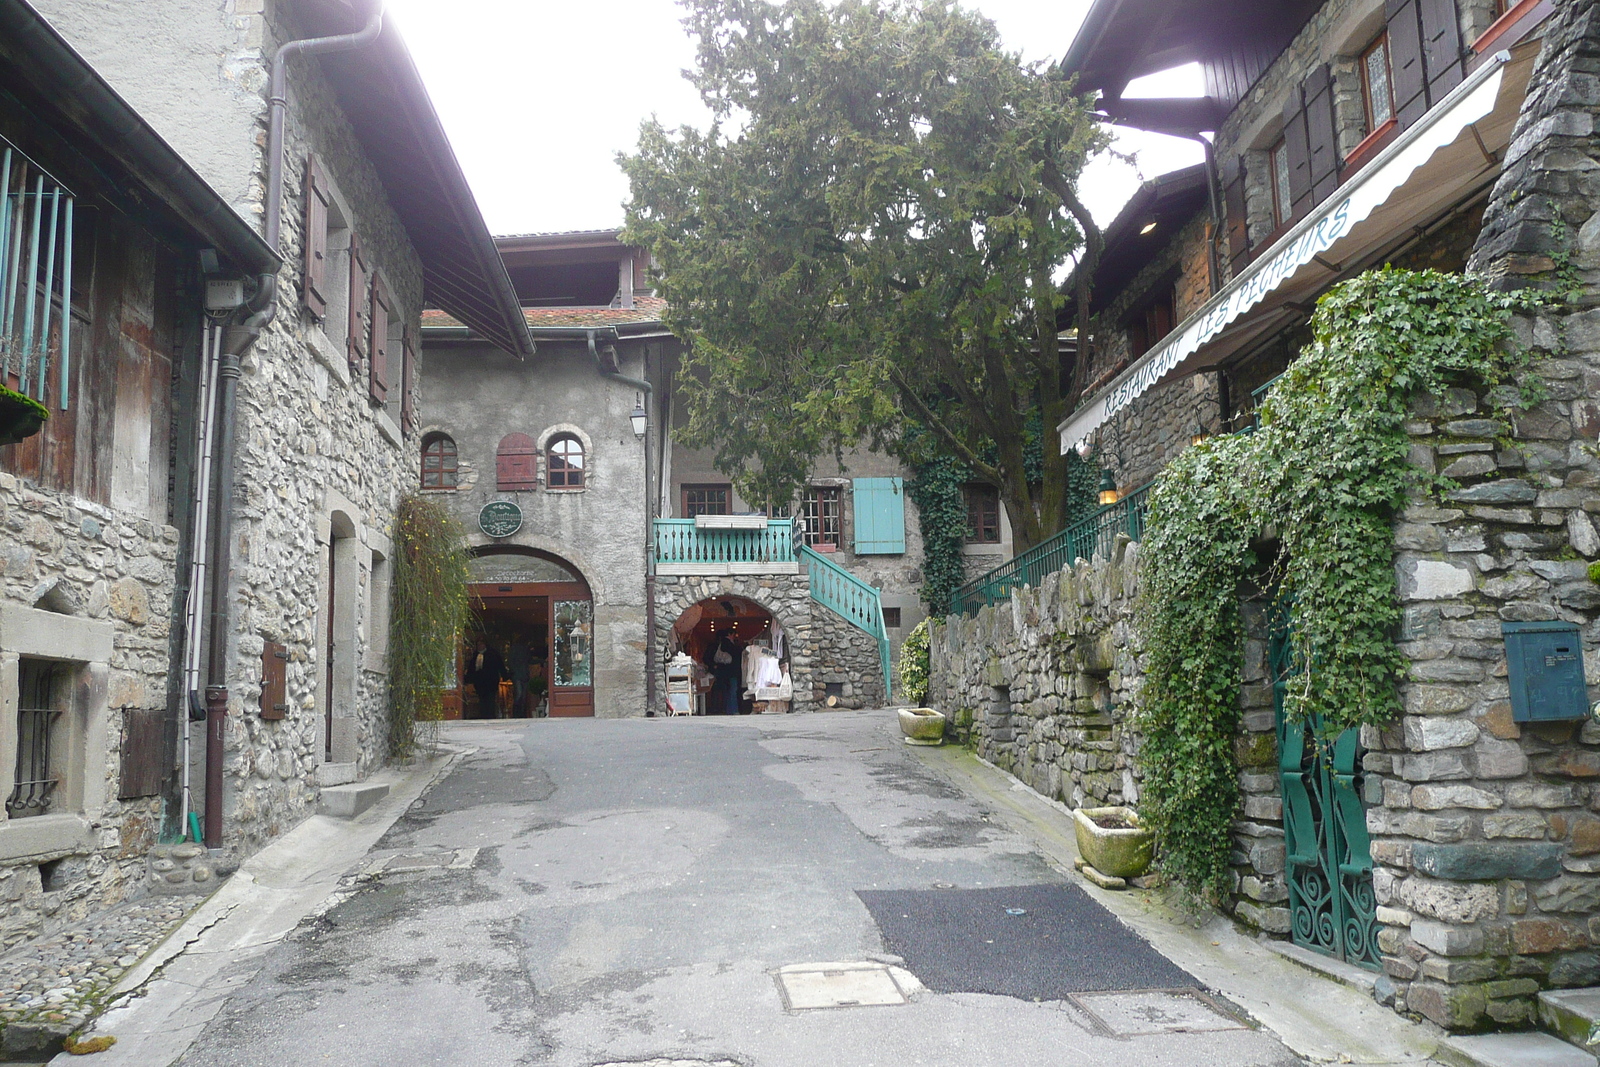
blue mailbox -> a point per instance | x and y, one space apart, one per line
1545 660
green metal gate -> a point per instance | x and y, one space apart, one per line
1329 858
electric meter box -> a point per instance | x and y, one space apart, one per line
1545 661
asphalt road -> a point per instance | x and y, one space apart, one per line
582 892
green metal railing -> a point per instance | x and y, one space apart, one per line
678 541
35 276
1087 539
843 593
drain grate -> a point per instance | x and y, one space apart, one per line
808 986
1142 1012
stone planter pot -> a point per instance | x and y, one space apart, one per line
922 726
1115 853
20 417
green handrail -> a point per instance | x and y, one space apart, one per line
1082 540
859 603
680 541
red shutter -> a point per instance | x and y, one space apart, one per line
1405 61
314 278
408 383
516 463
358 297
1321 142
1441 47
1238 213
378 342
1296 143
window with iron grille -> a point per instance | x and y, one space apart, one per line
37 712
1376 96
705 500
983 514
440 469
1282 200
565 463
819 506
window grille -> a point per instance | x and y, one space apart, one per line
35 277
1377 98
36 719
820 509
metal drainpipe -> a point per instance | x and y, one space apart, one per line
236 341
1214 265
649 527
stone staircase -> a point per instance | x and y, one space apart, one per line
1571 1019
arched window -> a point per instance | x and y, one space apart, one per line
516 463
439 469
566 462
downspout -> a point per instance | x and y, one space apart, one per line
236 341
644 386
1212 262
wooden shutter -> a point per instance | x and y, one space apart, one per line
408 387
1233 195
274 681
1441 47
1405 61
1321 136
358 298
314 277
880 516
516 463
378 342
141 769
1295 143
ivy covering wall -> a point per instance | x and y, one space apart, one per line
428 610
1325 473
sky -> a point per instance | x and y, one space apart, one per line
538 97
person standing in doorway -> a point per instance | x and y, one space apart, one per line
520 659
487 668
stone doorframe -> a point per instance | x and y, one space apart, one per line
354 547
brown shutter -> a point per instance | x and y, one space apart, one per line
408 385
141 769
274 680
1295 142
1233 195
358 297
1405 61
314 279
1321 137
378 342
516 463
1441 47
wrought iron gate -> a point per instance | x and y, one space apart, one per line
1329 858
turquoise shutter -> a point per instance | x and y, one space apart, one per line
880 516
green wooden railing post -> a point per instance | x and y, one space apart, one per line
836 589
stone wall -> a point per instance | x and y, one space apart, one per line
823 648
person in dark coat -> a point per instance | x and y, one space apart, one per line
724 660
520 661
484 671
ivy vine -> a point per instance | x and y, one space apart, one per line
1326 470
428 610
914 664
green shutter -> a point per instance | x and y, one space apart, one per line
880 516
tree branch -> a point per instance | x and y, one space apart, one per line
937 425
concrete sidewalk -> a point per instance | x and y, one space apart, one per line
1318 1017
161 1006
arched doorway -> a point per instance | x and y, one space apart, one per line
534 614
730 624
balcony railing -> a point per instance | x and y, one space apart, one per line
1087 539
679 542
35 278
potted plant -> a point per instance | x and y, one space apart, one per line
922 726
20 416
1112 841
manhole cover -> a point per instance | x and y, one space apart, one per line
1156 1011
806 986
402 862
670 1063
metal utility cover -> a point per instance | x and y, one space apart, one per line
1545 661
1155 1011
807 986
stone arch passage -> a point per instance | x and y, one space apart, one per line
535 610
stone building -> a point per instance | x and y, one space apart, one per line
302 379
1346 135
623 533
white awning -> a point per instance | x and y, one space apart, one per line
1450 151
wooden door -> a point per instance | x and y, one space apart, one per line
571 653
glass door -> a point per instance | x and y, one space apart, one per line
572 653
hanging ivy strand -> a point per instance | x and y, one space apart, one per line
1327 470
428 609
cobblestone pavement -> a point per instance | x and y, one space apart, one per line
55 983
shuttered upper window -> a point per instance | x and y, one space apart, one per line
439 465
819 506
516 463
880 516
566 463
1282 201
1377 96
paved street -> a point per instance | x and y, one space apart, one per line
593 892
